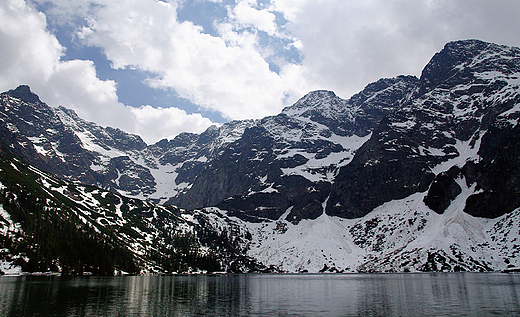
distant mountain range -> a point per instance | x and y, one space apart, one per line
410 174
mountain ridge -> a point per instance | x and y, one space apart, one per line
307 145
410 174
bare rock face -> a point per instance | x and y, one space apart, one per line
443 190
497 175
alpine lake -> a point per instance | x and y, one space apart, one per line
408 294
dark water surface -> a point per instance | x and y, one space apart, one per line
460 294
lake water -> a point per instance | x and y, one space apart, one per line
458 294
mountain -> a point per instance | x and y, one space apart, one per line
281 157
410 174
48 224
461 122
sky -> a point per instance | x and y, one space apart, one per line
157 68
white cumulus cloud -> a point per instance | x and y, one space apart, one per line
263 20
227 74
348 44
31 55
252 65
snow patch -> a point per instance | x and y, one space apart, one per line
323 169
8 268
467 152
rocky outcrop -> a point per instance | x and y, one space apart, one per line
464 93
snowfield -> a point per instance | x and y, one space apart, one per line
399 236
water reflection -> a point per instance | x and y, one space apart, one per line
263 295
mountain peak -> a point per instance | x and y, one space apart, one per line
320 93
464 45
24 93
466 58
316 95
325 100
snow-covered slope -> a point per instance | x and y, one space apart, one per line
51 225
399 236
